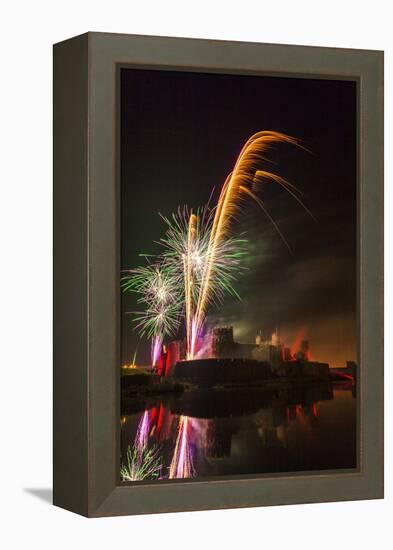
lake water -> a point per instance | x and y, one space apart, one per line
206 433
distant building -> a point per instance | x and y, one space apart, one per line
172 353
220 344
222 341
275 341
223 345
304 353
271 350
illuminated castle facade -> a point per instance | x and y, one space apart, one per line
220 345
270 350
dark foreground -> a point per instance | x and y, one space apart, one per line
240 431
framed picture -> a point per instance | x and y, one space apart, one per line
218 274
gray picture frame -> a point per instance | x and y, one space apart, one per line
86 274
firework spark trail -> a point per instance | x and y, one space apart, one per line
182 465
189 274
142 433
246 173
141 464
156 347
186 245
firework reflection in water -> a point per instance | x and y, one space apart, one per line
182 462
141 464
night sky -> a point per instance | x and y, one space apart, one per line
181 133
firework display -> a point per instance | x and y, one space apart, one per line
182 462
187 252
156 285
240 183
201 257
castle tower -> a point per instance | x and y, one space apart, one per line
275 338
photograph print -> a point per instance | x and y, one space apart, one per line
238 275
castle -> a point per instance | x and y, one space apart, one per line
220 344
270 350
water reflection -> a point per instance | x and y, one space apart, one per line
245 431
182 464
